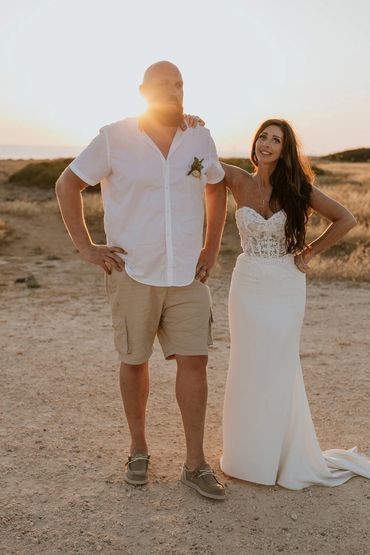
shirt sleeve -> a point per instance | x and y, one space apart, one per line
215 172
93 163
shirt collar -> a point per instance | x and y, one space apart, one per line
175 142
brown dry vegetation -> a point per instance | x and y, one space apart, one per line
349 183
4 230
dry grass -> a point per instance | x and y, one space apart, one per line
8 167
26 208
4 229
349 183
93 208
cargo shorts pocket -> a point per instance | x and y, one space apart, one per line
121 340
106 284
210 322
111 282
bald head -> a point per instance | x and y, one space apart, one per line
159 70
162 88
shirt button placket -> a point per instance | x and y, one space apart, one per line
168 222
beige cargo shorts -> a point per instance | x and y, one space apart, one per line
181 317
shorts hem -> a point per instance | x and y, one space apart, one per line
141 360
182 352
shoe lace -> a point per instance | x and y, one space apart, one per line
137 458
207 471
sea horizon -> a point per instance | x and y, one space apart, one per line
46 152
38 152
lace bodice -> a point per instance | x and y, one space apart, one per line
261 237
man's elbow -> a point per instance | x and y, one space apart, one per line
350 219
352 222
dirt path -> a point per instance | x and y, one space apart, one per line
64 440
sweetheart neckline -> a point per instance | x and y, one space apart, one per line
255 211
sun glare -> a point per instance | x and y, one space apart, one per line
69 68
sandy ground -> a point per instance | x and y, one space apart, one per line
64 440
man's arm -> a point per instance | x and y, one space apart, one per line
216 201
68 191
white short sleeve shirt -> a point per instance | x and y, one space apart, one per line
152 208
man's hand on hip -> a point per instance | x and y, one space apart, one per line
104 256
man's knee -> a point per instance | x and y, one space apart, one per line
132 368
196 363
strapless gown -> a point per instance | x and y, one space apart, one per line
268 433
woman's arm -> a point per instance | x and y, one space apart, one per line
236 179
341 222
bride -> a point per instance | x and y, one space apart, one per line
268 432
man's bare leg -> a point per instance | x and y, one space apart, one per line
134 384
191 394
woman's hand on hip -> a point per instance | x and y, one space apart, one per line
302 259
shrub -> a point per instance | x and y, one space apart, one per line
43 175
355 155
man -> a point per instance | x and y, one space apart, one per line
153 172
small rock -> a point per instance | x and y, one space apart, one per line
294 516
31 282
20 280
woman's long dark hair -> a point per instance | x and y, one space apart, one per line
291 183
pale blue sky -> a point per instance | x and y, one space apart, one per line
68 67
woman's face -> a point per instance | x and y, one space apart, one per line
269 144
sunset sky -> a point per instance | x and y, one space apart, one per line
67 67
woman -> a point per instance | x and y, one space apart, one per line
268 431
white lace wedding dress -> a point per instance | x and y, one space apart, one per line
268 432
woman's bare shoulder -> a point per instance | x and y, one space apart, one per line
235 176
